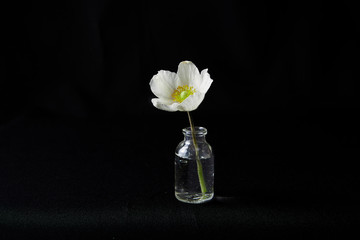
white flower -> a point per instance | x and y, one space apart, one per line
181 91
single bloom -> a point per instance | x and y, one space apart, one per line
181 91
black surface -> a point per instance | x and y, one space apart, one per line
84 154
76 178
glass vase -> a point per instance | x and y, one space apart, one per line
194 167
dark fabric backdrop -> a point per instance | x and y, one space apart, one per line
77 121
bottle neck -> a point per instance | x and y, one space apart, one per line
200 134
199 140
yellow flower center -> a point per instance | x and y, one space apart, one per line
182 92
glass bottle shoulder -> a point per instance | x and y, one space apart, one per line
185 149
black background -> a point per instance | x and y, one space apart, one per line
80 140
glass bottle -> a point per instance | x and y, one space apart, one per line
194 171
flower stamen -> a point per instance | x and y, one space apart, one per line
182 92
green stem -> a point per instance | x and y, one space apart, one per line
198 162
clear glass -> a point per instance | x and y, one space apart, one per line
194 177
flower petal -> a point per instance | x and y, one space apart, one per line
163 84
188 74
166 105
192 102
206 81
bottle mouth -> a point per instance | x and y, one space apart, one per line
198 131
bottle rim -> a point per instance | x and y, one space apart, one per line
198 131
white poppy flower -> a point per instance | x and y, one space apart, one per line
181 91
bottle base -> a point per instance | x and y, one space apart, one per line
196 198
